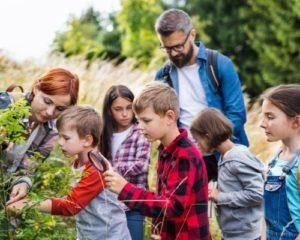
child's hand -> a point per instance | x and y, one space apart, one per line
18 192
155 237
113 181
213 194
15 209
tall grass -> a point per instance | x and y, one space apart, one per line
96 78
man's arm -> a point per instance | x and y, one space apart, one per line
233 99
159 75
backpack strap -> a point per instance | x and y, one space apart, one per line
166 78
212 68
13 86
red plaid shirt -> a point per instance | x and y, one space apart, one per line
179 207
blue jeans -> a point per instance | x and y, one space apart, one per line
135 223
278 219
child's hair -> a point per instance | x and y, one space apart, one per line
285 97
212 125
109 124
84 119
160 96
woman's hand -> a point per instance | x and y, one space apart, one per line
18 192
15 209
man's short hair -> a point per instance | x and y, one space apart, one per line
85 120
212 125
160 96
173 20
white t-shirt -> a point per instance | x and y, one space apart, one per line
277 170
117 139
191 94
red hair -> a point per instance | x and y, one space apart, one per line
58 81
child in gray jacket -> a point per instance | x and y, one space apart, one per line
239 195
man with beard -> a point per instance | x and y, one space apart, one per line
188 73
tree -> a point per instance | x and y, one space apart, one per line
136 23
89 35
273 34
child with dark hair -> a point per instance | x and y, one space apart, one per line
123 143
239 193
281 122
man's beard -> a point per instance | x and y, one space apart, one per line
182 59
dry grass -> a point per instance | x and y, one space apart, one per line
96 79
258 144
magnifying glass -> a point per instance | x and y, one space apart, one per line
98 161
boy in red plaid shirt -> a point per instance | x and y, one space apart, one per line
179 206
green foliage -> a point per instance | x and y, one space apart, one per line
81 38
136 23
273 34
11 129
51 179
11 122
89 35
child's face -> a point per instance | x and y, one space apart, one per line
202 144
69 141
121 110
275 122
153 126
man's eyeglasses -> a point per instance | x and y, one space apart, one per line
177 48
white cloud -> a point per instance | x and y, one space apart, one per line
28 27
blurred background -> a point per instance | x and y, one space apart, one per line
114 42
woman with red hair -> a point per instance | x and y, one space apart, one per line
50 95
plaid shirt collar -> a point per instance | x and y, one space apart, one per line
166 151
135 128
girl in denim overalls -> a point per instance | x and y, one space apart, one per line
281 121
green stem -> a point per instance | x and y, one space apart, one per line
3 195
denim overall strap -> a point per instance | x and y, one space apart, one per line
278 219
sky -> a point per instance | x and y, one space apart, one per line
28 27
